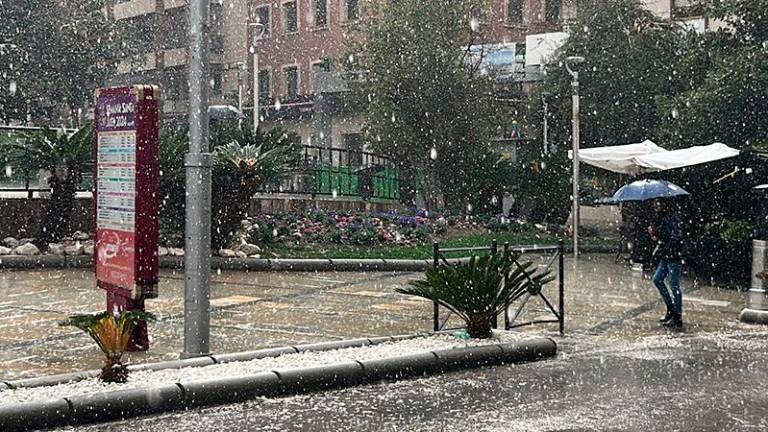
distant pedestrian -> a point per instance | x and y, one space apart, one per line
667 233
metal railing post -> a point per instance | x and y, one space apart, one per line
561 283
506 280
435 306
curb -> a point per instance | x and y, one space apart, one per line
253 264
208 360
753 316
124 404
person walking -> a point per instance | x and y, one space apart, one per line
666 232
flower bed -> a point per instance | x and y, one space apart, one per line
363 229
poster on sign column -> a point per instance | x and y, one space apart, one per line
116 185
126 177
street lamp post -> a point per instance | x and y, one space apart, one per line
198 164
570 63
258 33
545 137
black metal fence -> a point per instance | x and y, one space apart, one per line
324 172
440 258
338 172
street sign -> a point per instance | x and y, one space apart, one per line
126 198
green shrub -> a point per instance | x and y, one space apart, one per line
736 230
479 289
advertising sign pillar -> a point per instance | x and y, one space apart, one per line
126 198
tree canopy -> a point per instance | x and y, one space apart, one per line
53 54
632 58
429 106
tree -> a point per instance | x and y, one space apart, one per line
430 106
244 163
632 58
53 54
732 98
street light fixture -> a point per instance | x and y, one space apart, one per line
258 34
570 64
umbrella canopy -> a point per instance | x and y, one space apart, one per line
643 190
647 157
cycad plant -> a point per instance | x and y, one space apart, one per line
479 289
64 156
245 161
112 332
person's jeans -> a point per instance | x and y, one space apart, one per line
671 268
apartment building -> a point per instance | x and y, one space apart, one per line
297 85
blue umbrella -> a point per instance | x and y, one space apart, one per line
642 190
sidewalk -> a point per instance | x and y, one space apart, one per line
262 309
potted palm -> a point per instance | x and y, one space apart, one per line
479 289
112 332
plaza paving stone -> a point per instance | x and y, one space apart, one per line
254 310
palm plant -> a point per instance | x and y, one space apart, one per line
112 332
65 157
245 161
479 289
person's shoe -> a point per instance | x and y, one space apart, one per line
675 322
666 317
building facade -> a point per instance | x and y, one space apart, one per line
300 40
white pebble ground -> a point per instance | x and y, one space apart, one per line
147 379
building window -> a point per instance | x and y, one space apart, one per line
264 85
318 67
515 11
217 28
291 75
217 80
320 13
552 10
290 17
174 34
351 10
261 15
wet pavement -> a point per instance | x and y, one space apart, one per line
617 368
257 309
677 382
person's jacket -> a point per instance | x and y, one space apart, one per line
670 238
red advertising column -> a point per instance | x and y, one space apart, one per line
126 198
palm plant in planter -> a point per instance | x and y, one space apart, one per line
245 161
479 289
112 332
65 158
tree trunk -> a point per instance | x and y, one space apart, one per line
114 371
59 209
479 326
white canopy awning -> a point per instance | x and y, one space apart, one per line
648 157
619 158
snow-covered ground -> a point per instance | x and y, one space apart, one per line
145 379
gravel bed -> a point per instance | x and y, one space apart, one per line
145 379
